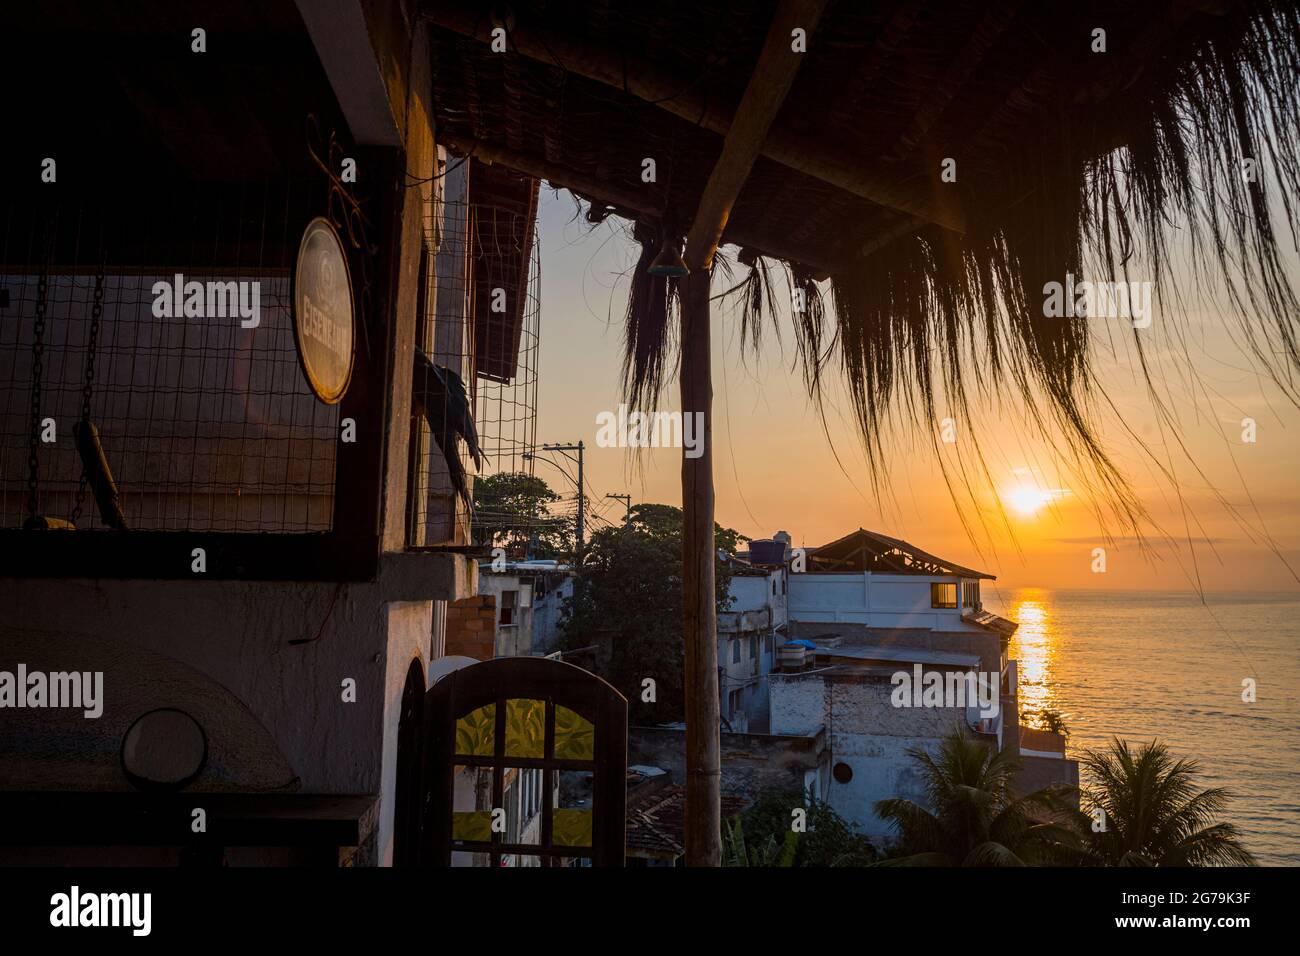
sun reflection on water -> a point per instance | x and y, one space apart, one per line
1033 647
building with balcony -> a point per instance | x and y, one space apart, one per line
748 633
870 618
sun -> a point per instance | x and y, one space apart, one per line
1028 500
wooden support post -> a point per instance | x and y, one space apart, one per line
768 85
703 824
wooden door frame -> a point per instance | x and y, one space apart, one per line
558 684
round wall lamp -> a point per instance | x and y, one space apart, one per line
165 749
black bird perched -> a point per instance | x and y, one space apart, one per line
440 395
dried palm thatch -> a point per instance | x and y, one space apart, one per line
914 317
1096 165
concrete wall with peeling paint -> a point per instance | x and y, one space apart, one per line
865 732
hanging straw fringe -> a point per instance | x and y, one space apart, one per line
914 318
649 340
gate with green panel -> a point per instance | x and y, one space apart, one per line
525 763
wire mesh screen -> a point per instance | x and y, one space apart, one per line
479 330
188 370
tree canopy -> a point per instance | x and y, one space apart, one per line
976 819
629 604
762 836
512 511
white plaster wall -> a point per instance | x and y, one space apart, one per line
546 617
781 602
749 593
865 731
876 600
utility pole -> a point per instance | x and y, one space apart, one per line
627 503
565 449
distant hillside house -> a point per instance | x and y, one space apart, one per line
869 607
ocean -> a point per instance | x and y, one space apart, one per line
1160 665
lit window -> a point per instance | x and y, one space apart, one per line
943 595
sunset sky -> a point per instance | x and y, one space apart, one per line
775 468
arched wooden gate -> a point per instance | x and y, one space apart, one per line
524 763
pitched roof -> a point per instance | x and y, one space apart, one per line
991 621
864 550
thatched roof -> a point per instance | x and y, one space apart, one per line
926 273
887 88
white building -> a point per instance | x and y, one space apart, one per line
529 599
870 607
747 639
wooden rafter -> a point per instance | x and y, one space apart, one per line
648 82
773 76
628 202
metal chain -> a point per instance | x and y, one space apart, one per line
38 368
88 389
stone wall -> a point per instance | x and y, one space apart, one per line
865 733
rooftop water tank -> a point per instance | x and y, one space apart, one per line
783 538
791 656
766 551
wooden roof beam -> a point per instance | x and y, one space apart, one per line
768 87
661 88
627 202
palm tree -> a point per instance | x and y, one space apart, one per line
1144 809
1052 721
736 852
976 820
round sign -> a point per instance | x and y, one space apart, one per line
322 311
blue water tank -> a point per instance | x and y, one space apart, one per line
766 551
